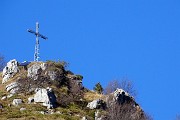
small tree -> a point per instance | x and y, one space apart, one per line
125 111
124 84
98 88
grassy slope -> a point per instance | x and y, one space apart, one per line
71 112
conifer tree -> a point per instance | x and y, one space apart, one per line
98 88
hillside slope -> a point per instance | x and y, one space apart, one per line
45 90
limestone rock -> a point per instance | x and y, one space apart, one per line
17 102
46 97
96 104
22 109
10 70
121 96
12 87
43 66
10 95
30 100
4 97
34 71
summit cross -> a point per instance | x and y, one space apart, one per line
37 45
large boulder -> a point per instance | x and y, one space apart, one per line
10 70
46 97
96 104
12 87
34 71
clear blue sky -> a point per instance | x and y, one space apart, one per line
104 40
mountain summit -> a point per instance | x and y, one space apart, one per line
46 90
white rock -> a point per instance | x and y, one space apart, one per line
12 87
17 102
34 71
41 96
120 91
10 70
14 90
30 99
4 97
10 95
94 104
43 66
42 112
46 97
120 96
22 109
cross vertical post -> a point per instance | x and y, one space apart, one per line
37 45
36 54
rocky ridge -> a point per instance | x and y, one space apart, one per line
49 85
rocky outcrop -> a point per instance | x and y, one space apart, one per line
96 104
10 70
17 102
12 87
34 71
46 97
38 69
122 96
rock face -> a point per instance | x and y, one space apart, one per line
52 74
46 97
10 70
122 96
16 102
96 104
12 87
34 71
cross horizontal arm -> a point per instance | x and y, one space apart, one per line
31 31
39 35
44 37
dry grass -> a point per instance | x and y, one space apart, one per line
90 96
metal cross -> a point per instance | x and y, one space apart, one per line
36 54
